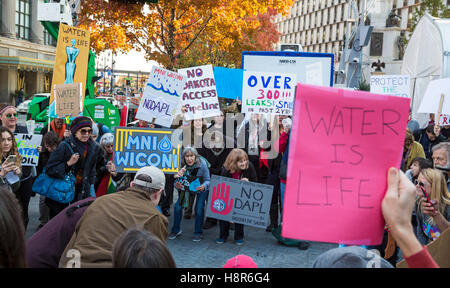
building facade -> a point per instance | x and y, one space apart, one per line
27 51
323 25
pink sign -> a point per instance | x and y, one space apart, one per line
341 146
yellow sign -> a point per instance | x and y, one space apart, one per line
72 55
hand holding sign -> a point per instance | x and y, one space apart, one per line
220 198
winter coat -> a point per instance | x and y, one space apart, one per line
57 164
249 173
106 219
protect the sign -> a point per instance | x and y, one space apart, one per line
394 85
239 201
68 99
72 54
161 97
135 148
27 145
268 93
199 94
342 144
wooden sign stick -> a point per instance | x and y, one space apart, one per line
436 125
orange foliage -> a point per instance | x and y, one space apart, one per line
167 30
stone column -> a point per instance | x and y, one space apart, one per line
8 22
37 30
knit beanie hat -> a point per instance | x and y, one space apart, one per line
350 257
240 261
80 122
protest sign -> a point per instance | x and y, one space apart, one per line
228 82
27 145
342 145
68 99
394 85
199 94
436 99
239 201
444 120
161 97
268 93
135 148
71 60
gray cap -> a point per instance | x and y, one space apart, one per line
158 180
350 257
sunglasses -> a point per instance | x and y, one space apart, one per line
11 115
85 131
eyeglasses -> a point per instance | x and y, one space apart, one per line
85 131
11 115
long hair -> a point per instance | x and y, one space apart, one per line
138 248
439 189
233 158
14 150
12 232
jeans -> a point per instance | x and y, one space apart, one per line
225 230
199 214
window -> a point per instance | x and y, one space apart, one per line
48 39
23 19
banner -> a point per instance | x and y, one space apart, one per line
228 82
135 148
199 94
338 161
27 145
394 85
72 54
161 97
268 93
68 99
239 201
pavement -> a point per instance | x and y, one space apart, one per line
259 244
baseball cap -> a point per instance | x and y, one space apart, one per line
240 261
158 180
350 257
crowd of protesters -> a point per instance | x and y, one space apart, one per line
126 224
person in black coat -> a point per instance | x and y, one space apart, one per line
83 162
256 136
215 152
237 166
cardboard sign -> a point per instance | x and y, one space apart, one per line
268 93
239 201
27 145
394 85
228 82
439 251
72 54
161 97
199 94
342 144
135 148
68 99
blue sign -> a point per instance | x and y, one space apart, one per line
228 82
135 148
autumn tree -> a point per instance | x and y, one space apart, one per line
260 37
169 29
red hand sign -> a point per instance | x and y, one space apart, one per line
220 199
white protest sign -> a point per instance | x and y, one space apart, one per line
269 93
444 120
395 85
161 97
199 94
27 145
437 90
